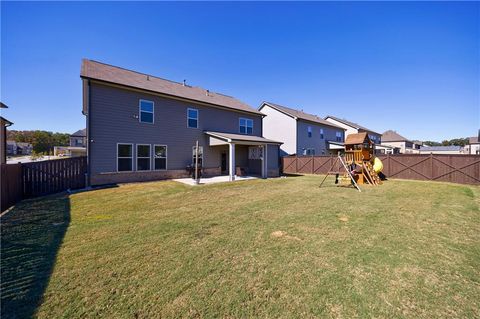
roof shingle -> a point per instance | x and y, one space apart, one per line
392 136
352 124
116 75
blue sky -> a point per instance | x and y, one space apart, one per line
412 67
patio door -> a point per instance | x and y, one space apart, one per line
224 162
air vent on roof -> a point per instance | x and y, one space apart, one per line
207 93
184 82
148 77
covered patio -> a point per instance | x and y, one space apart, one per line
255 150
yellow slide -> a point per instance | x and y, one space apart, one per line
377 165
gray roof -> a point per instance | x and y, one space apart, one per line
441 148
352 124
116 75
82 132
297 114
3 106
392 136
241 137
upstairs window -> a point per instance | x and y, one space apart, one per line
124 157
309 131
321 134
160 157
338 136
143 157
146 111
246 126
192 118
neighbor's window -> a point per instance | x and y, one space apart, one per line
146 111
143 157
192 118
246 126
321 133
160 157
309 131
338 135
200 155
124 157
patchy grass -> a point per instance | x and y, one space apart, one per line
263 248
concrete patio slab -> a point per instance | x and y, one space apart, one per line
213 180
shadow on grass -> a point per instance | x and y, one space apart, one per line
32 233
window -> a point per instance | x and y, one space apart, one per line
321 134
192 118
146 111
309 131
200 155
143 157
338 136
160 157
124 157
308 151
246 126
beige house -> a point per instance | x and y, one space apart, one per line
392 138
473 146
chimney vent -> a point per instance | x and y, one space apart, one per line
207 93
184 82
148 77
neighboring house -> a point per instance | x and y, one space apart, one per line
417 145
473 146
4 123
24 148
392 138
141 127
300 132
79 138
452 149
11 148
386 149
354 128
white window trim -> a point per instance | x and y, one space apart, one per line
131 158
166 157
322 136
149 157
188 118
140 111
246 125
309 131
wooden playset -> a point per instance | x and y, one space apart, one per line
358 161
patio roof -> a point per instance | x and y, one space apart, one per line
220 138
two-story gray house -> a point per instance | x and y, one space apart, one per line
141 127
79 138
354 128
300 132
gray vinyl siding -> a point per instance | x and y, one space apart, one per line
315 142
113 120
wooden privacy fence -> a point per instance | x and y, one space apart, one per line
33 179
462 169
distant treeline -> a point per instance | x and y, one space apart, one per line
42 141
455 141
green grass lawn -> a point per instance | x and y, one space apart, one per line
262 248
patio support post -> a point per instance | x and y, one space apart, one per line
231 161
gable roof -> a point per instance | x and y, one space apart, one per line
132 79
392 136
473 140
297 114
357 138
351 124
82 132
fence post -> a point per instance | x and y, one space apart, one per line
431 166
313 163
